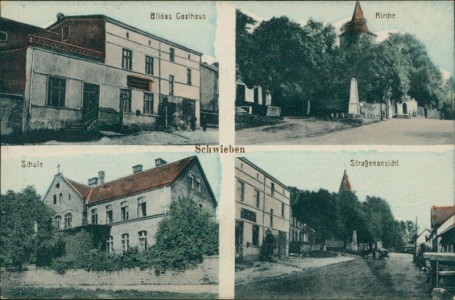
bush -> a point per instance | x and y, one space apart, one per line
243 121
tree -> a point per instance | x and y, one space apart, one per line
25 227
184 236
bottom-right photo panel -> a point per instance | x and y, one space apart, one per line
350 225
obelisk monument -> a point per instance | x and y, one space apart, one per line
354 105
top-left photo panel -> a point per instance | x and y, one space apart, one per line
138 73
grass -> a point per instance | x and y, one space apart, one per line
74 293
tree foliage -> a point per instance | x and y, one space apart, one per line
184 236
337 215
299 63
25 228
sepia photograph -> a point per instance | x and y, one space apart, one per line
345 73
344 225
108 73
133 224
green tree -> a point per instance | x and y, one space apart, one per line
184 236
25 227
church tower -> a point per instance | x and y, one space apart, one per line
345 184
357 25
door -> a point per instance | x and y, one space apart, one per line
238 238
90 103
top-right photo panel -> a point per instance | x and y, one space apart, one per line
345 73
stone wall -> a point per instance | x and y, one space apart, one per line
205 273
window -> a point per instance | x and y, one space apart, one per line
148 104
171 85
272 188
110 244
282 209
125 242
127 59
171 54
69 196
271 217
191 180
258 196
255 235
60 198
65 33
109 214
125 100
56 91
68 220
57 222
55 199
198 185
142 240
149 65
3 38
188 76
241 187
248 215
124 211
127 35
57 185
141 208
94 216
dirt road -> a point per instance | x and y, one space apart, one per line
417 131
397 278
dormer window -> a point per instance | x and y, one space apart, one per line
3 38
65 33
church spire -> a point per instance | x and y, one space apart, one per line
345 184
358 24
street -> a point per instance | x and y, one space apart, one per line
397 278
417 131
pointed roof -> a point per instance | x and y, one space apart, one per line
345 184
358 24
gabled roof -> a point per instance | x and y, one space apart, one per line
439 214
124 25
137 182
345 184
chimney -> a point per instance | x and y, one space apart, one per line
93 181
101 177
60 16
159 162
137 169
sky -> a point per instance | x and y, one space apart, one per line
198 35
421 180
80 164
432 22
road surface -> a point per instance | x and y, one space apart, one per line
397 278
416 131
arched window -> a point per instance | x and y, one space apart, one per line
60 198
55 199
124 210
141 207
109 214
57 222
110 245
142 240
68 220
94 216
125 242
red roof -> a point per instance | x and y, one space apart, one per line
439 214
152 178
345 184
358 24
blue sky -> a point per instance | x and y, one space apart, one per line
432 22
421 180
195 34
80 167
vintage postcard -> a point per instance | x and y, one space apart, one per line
134 223
345 73
108 73
344 225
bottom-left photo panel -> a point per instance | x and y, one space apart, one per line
109 223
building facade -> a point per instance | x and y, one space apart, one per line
93 71
129 208
442 235
262 206
209 93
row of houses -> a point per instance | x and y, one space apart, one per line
92 71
